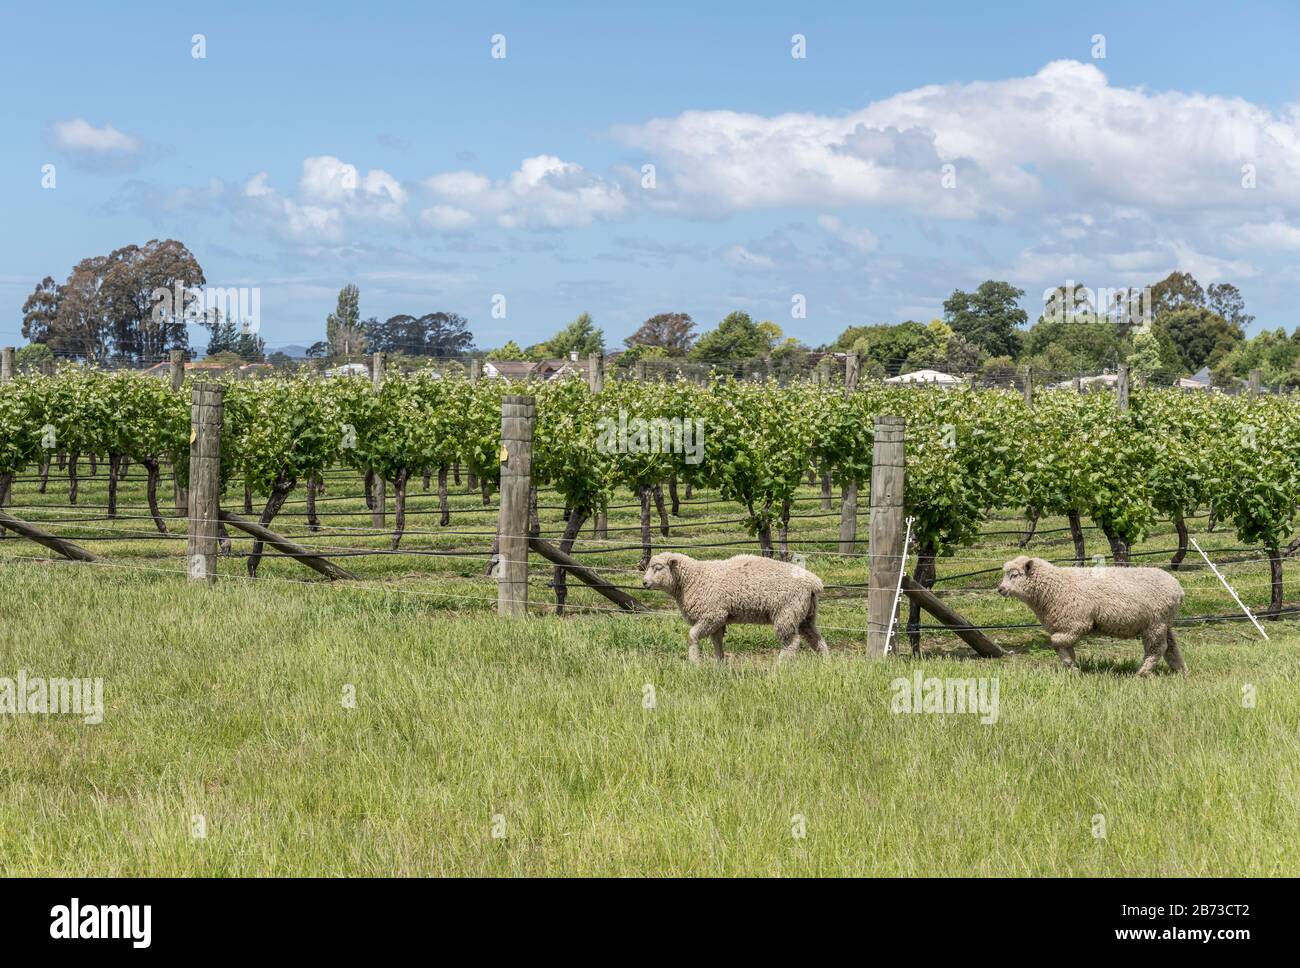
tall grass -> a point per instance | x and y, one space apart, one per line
228 703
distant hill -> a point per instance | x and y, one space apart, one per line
293 350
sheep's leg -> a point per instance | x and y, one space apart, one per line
810 634
1063 643
787 633
694 638
1154 643
1172 655
718 653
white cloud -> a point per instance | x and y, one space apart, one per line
81 136
1015 144
545 193
447 218
330 194
328 181
1265 236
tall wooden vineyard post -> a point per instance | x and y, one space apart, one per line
207 411
596 383
378 364
176 372
888 473
518 414
849 493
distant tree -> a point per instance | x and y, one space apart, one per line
446 334
581 336
107 306
962 356
1273 353
1199 335
343 326
433 334
145 322
737 337
511 351
1144 359
318 351
998 369
1178 290
667 331
1079 343
82 329
642 351
239 340
33 356
40 311
1065 302
989 317
895 347
1225 299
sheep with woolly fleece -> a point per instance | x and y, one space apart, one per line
1120 602
744 588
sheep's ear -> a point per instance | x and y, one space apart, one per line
673 568
1029 567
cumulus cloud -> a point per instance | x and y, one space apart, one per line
1014 145
544 193
1265 236
80 136
331 193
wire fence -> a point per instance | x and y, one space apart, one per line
826 366
698 530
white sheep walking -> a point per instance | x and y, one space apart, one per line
747 589
1120 602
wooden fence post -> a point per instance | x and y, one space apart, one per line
639 371
6 364
206 415
475 370
849 491
177 368
378 364
517 416
1029 387
1122 386
177 373
888 471
1254 383
596 383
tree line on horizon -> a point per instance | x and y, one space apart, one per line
104 312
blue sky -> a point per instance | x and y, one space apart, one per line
382 144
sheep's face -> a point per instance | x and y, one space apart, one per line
661 573
1016 575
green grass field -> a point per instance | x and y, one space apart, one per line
228 702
